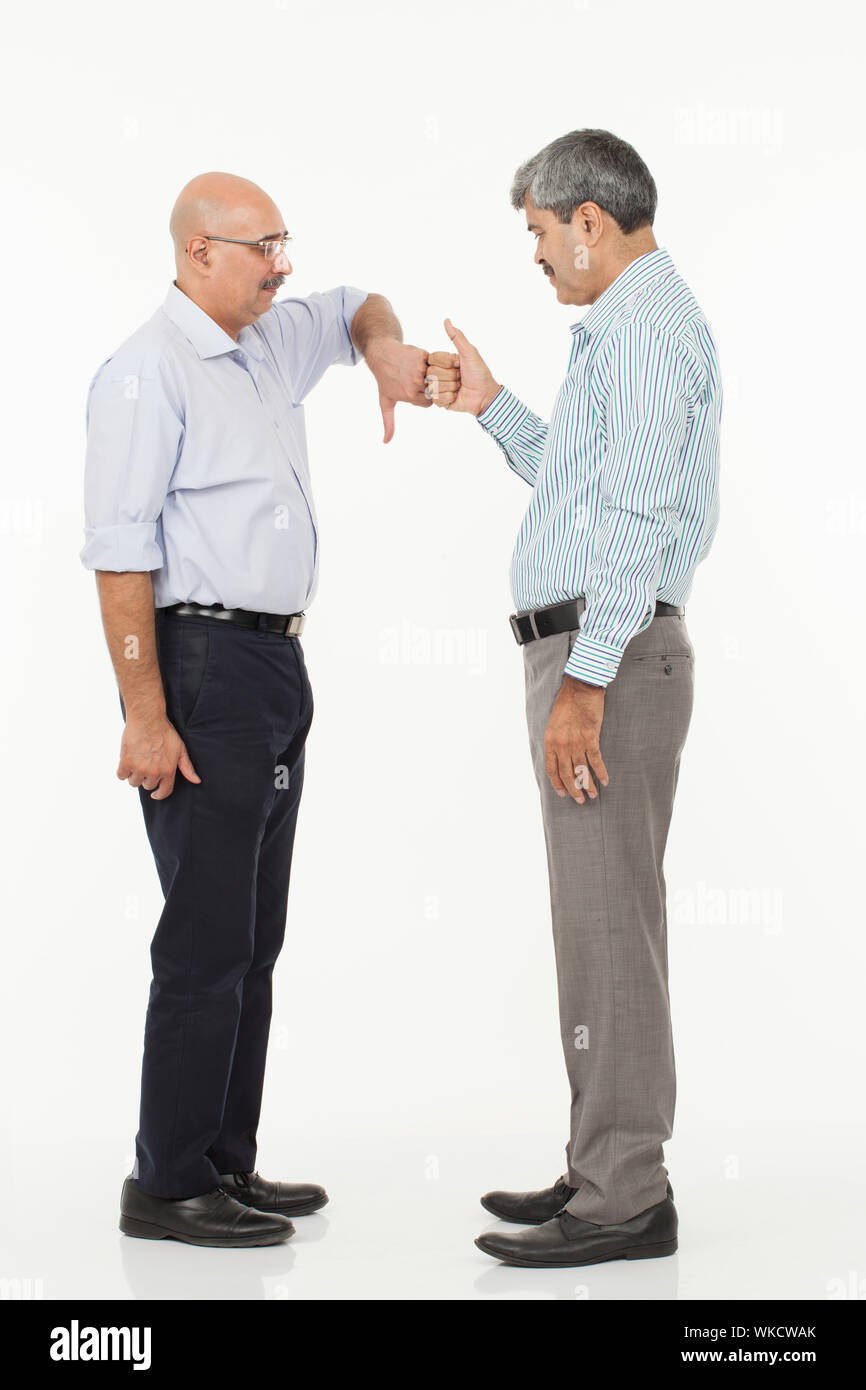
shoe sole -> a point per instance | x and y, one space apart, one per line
146 1230
633 1252
306 1209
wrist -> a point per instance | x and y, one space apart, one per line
146 712
374 347
489 397
576 686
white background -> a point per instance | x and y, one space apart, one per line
415 1057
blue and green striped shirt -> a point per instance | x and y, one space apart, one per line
625 490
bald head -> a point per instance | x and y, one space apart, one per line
234 283
221 205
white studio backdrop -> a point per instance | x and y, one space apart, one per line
415 1017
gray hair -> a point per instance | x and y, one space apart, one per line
588 166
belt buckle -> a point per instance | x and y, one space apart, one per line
515 620
295 625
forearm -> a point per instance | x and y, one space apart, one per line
126 601
520 434
374 319
620 590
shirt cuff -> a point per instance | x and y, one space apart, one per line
504 415
593 661
132 546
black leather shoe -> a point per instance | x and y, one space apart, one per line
565 1240
529 1208
289 1198
532 1208
215 1218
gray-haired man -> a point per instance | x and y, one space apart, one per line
624 506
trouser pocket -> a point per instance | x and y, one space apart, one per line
185 656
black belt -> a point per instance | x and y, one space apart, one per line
287 624
563 617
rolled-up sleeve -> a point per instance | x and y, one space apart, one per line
316 333
134 434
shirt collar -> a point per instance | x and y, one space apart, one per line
630 282
205 334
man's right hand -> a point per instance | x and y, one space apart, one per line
462 380
151 754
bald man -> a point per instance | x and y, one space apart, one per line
201 528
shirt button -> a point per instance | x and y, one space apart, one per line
668 670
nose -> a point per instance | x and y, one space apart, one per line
538 258
281 264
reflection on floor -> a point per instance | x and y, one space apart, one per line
401 1224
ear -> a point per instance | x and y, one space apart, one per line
589 218
197 249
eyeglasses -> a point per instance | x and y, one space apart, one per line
272 247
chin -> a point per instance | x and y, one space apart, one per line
572 296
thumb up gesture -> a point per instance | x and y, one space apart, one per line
460 380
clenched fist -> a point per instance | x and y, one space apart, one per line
460 380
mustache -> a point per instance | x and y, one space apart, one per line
274 282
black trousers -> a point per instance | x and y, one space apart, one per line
241 701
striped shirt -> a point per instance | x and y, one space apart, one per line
625 490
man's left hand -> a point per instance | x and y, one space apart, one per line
399 370
571 740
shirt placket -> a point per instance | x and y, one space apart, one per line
250 367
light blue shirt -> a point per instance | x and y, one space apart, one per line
625 476
196 465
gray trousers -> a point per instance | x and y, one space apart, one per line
607 896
